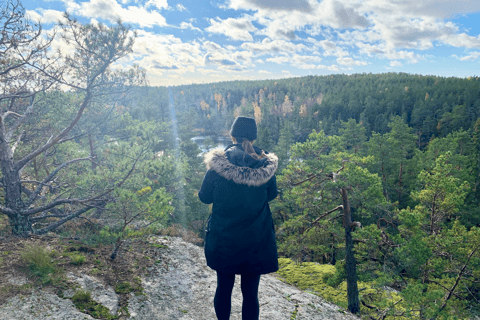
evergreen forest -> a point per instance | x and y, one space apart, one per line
95 153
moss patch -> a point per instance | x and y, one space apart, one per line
83 301
127 287
315 277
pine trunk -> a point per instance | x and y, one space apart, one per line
350 262
12 188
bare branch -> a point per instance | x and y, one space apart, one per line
450 291
8 113
311 177
44 182
20 164
340 207
18 122
6 210
62 221
20 136
49 206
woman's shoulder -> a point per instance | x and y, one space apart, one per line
218 161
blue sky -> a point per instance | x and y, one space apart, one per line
183 42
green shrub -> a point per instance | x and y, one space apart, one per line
39 263
77 259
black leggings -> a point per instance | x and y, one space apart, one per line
223 296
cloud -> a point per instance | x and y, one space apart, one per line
432 8
329 48
160 4
471 57
213 47
278 29
160 53
412 33
396 63
44 16
300 61
112 11
264 72
235 29
188 25
348 61
412 57
282 18
181 7
268 46
461 40
274 5
340 15
166 67
224 62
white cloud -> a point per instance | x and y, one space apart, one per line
471 57
220 60
264 72
340 14
44 16
111 10
181 7
210 46
412 57
329 68
274 5
275 46
188 25
278 29
415 8
235 29
396 63
329 48
348 61
160 4
305 62
282 18
165 53
461 40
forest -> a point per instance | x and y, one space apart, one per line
95 153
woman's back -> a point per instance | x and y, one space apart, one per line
240 235
240 238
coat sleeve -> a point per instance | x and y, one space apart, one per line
206 191
272 191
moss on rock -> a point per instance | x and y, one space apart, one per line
315 277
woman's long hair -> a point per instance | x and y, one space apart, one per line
248 147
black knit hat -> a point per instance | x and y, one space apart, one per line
244 127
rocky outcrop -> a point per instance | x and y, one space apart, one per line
178 286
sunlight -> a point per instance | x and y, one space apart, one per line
180 193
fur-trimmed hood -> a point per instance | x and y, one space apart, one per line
217 160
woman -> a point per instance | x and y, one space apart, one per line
240 239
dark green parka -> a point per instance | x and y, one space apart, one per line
240 233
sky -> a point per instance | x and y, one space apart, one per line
196 41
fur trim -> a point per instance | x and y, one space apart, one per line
217 161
